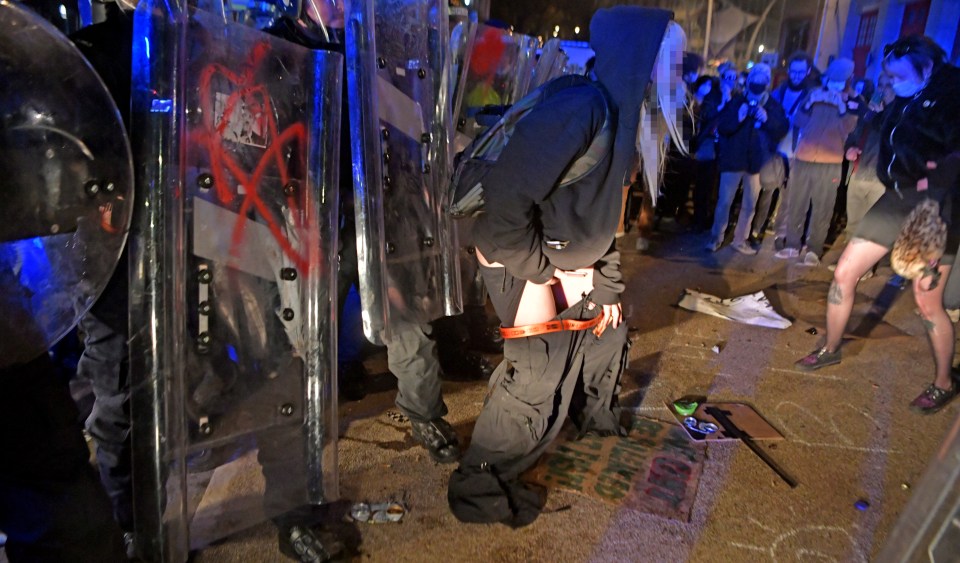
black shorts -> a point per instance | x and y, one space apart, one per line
883 222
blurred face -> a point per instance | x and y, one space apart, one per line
704 90
798 72
757 87
729 78
836 86
904 78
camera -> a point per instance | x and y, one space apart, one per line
752 108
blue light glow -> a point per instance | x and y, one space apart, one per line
161 106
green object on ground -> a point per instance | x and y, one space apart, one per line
686 408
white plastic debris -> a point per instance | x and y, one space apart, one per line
753 309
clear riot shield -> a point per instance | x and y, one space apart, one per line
499 74
400 110
928 529
551 64
68 185
499 70
463 33
232 299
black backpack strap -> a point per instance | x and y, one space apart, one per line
599 147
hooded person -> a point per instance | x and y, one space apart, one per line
533 238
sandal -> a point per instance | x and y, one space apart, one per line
818 359
934 398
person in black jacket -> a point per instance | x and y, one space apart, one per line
918 159
533 236
864 188
750 126
708 102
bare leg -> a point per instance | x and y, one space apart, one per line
857 258
938 325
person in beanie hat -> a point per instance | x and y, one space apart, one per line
824 122
790 95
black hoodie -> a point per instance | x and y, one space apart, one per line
531 227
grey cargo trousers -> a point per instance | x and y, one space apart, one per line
528 399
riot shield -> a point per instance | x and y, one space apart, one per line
928 528
551 64
68 185
233 294
499 71
463 33
400 113
499 74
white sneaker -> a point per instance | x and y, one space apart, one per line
787 253
714 246
811 259
744 248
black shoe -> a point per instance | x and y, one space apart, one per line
307 545
352 381
439 438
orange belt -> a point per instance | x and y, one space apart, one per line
549 326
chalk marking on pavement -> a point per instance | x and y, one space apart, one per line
830 426
809 374
761 525
750 547
800 552
689 357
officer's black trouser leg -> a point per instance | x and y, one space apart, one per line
105 363
412 357
526 406
52 507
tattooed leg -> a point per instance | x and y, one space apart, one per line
857 258
835 295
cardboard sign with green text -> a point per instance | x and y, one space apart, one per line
655 469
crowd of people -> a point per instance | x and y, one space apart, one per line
552 268
791 150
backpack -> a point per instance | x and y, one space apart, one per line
473 163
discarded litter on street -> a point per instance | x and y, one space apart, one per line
378 513
753 309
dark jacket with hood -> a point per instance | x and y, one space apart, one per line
529 225
925 127
743 146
